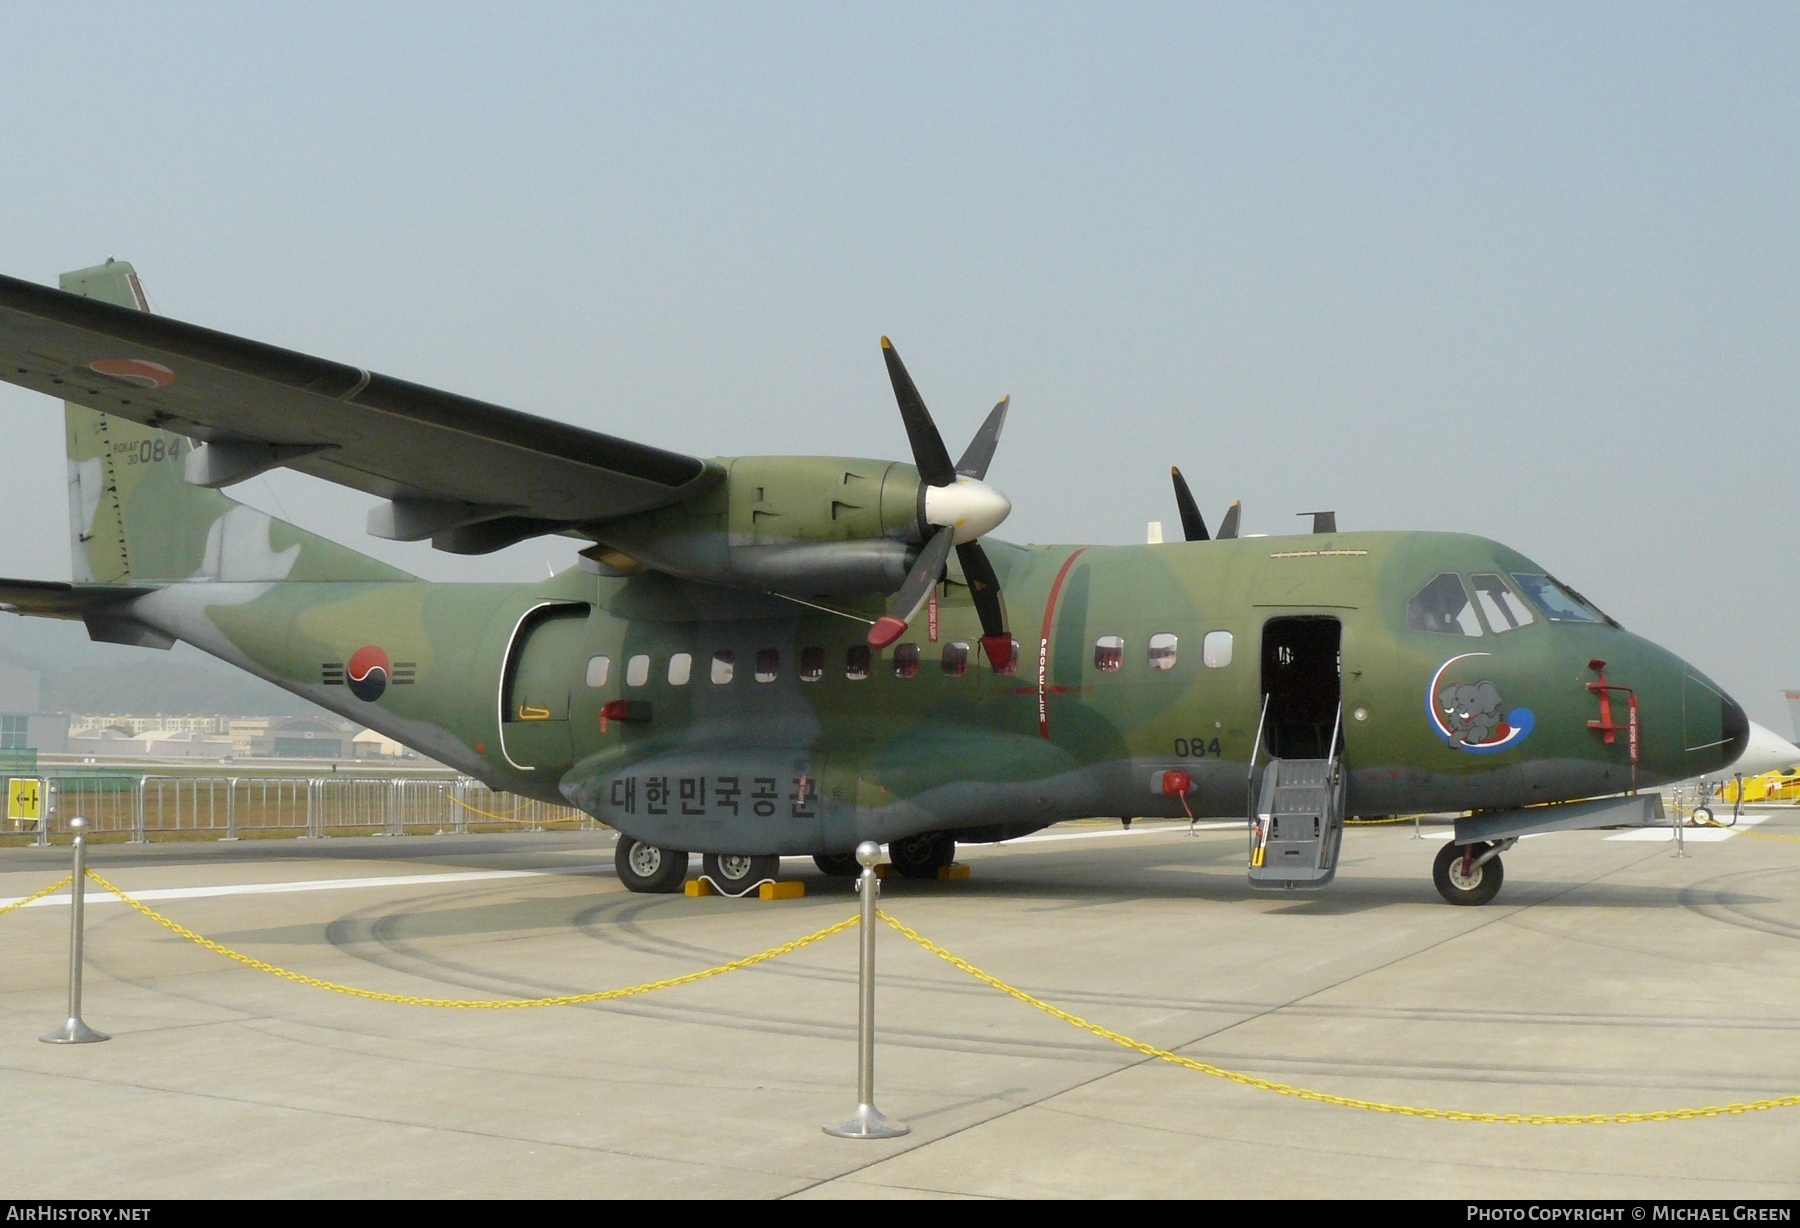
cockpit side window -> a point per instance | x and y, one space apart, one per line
1559 604
1503 608
1443 606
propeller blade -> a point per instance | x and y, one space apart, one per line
984 587
980 452
1228 527
929 453
1193 525
913 590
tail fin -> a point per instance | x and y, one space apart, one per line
134 518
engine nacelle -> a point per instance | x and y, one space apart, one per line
801 525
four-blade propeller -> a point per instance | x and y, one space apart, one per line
955 509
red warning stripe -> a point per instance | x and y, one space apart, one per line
1043 672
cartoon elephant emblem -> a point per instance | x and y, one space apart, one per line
1471 711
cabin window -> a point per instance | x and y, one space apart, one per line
1109 653
812 664
906 661
597 670
1559 604
856 662
1503 608
1215 650
680 666
1443 606
724 666
1162 651
768 664
955 661
637 670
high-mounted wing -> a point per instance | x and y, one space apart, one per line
471 476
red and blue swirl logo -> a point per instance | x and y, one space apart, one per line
367 672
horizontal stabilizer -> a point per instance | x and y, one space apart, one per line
60 599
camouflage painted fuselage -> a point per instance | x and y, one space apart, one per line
494 680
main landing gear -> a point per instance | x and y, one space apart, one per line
739 873
922 856
919 856
1470 873
647 868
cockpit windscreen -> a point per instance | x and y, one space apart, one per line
1559 604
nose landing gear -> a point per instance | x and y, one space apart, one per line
1470 874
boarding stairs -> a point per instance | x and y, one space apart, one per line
1297 822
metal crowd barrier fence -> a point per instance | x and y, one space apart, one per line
144 807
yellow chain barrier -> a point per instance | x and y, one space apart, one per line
1285 1089
58 885
574 999
1390 820
506 818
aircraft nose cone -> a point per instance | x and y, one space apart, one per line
1717 728
1734 726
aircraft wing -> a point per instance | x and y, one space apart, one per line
469 475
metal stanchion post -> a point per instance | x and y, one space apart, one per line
1417 834
46 811
74 1031
868 1121
1680 828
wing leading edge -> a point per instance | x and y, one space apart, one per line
471 476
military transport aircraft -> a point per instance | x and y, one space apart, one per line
763 656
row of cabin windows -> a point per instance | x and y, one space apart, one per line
1109 657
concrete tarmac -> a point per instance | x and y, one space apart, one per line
1609 976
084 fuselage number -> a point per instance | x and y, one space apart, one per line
1196 748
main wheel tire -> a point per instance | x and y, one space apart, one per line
922 856
647 868
838 865
738 873
1703 817
1478 887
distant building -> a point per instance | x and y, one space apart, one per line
304 737
22 726
371 745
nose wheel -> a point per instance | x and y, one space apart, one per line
1468 874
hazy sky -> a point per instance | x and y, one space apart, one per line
1528 272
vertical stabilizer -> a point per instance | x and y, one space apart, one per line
134 518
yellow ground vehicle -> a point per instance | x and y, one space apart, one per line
1782 786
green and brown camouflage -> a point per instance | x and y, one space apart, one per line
704 681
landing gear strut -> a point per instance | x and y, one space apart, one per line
1469 873
647 868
